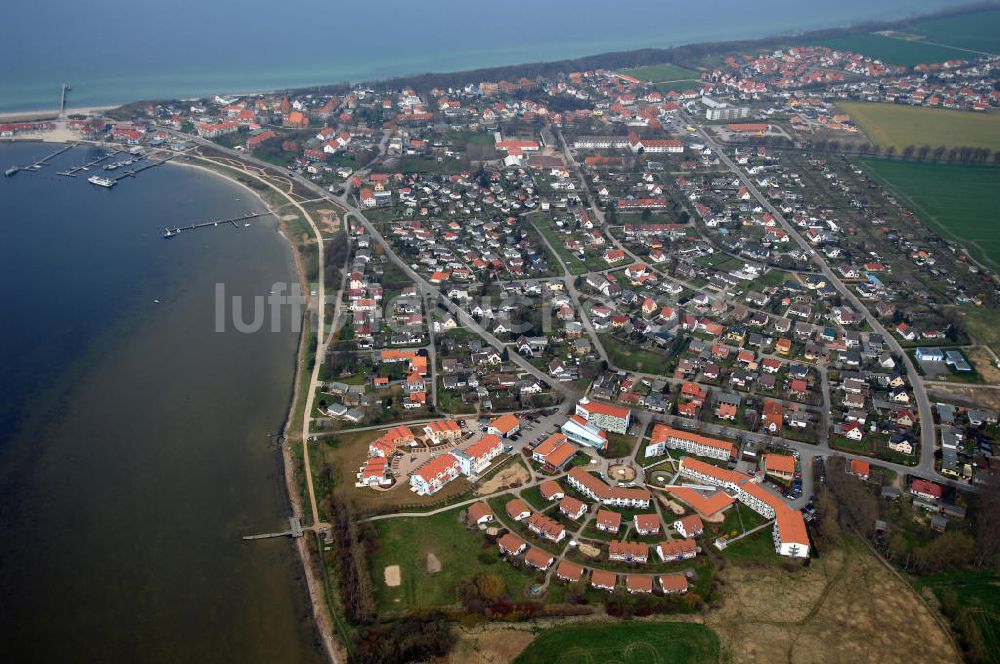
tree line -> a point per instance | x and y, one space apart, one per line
845 502
965 155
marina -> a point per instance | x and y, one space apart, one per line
71 172
110 181
37 166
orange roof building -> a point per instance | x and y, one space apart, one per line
538 558
603 580
479 513
672 584
665 437
639 583
505 425
779 465
569 571
707 505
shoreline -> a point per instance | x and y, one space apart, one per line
52 113
314 586
584 61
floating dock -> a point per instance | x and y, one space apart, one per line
109 182
71 172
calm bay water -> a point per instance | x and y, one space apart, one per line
121 50
134 444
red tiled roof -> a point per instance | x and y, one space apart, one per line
478 511
538 558
569 571
516 506
639 583
601 579
673 583
549 489
699 502
780 463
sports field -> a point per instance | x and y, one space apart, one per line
624 643
894 51
663 73
900 126
959 202
979 31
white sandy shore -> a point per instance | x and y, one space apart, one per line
22 116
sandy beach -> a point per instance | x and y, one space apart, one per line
52 113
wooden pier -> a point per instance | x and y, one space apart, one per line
294 531
37 166
235 221
62 99
71 172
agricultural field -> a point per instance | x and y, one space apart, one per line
424 558
663 74
977 32
959 202
899 126
628 643
893 50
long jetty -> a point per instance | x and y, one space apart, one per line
37 166
235 221
71 172
294 531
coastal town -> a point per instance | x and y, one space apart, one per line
618 324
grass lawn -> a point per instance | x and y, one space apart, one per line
892 50
632 358
756 548
959 202
979 593
533 496
848 445
558 242
663 73
677 86
979 31
900 126
619 446
983 324
407 541
628 643
772 278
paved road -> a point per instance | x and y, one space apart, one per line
569 281
426 290
927 429
924 469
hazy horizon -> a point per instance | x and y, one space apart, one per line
129 51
